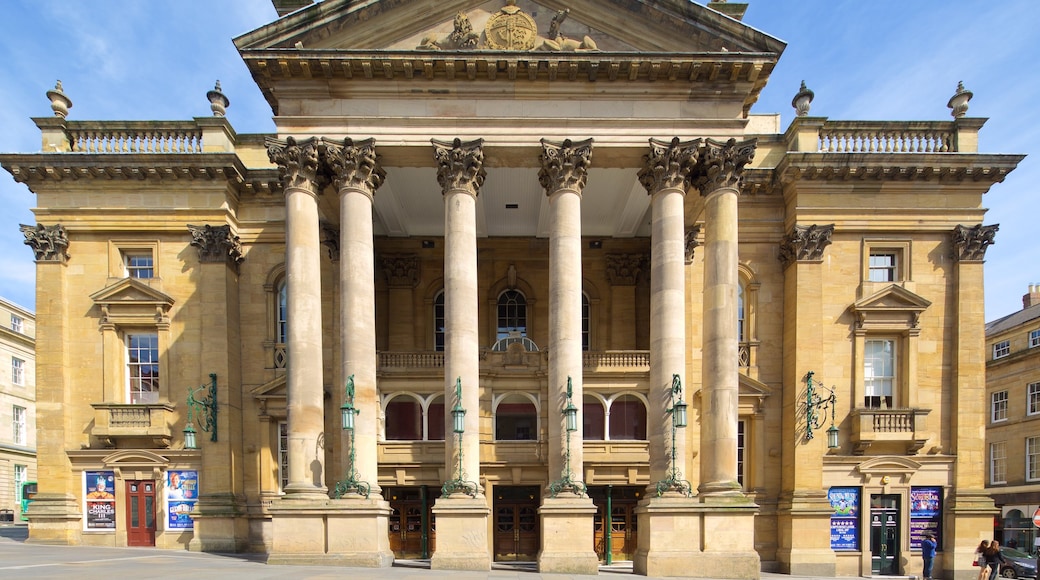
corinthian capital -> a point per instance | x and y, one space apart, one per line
402 270
805 243
971 242
297 161
49 243
669 164
216 244
624 269
564 165
459 165
353 165
722 164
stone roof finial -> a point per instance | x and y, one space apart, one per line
217 101
802 100
959 101
60 103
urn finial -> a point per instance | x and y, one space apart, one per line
217 101
60 103
959 101
802 100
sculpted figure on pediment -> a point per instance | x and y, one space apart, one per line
554 40
462 37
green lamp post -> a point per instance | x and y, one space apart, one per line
458 420
675 482
352 484
203 410
566 481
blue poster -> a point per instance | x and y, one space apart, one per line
99 494
845 520
925 515
181 492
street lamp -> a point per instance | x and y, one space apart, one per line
566 481
203 409
458 419
352 483
675 482
816 411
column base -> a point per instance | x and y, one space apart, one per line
219 525
568 543
331 532
462 539
55 519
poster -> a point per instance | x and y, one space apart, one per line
181 492
925 515
100 498
845 519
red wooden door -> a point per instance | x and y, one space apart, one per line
140 513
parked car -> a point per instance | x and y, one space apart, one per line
1019 564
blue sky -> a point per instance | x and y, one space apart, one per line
865 60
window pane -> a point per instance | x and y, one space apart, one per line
438 322
879 373
403 419
882 267
585 315
627 419
283 454
999 406
283 314
592 419
139 265
512 314
998 462
1034 398
1002 349
1032 458
740 312
143 368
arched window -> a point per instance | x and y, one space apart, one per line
627 419
438 322
586 312
282 315
435 419
593 419
404 419
516 419
512 314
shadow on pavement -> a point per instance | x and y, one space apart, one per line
16 533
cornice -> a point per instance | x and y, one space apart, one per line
8 336
927 167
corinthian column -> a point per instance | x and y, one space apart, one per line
722 165
356 174
298 163
665 177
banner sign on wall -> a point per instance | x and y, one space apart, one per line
100 499
925 515
181 492
845 520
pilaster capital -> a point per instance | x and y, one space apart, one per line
669 164
624 269
805 243
401 270
459 165
564 165
970 243
216 244
353 165
722 164
297 162
691 242
49 243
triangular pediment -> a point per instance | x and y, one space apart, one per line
131 291
892 306
273 389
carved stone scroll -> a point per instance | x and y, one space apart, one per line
49 243
691 242
669 164
722 164
970 243
624 269
564 165
402 270
459 165
297 161
805 243
353 165
216 244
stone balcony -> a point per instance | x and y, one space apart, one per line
119 421
890 427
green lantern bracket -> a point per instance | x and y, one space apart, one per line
202 410
816 406
566 481
675 482
352 484
458 419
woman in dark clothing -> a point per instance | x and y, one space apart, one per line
994 559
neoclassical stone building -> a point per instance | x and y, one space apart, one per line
515 281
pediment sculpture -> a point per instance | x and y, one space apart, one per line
508 29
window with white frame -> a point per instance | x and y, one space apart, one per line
1002 349
1034 338
282 330
139 264
1032 458
999 406
283 455
882 266
142 365
998 462
17 324
21 475
17 371
740 313
879 373
18 426
1033 398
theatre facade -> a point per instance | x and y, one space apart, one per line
515 281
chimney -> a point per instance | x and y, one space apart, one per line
1032 298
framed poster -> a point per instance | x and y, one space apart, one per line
181 491
845 519
925 515
99 500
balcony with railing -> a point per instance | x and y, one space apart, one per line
120 421
901 427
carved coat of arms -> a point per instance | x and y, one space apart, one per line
510 29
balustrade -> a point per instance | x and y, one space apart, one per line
135 137
887 137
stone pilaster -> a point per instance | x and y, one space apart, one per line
402 276
623 272
298 164
567 526
462 542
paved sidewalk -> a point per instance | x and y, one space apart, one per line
21 560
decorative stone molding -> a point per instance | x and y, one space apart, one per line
510 29
669 164
49 243
353 165
297 161
459 165
216 244
722 164
402 270
970 243
691 242
564 165
330 239
805 244
624 269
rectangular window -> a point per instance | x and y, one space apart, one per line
17 324
1002 349
998 462
1033 398
18 425
1034 338
139 264
21 475
1032 458
999 406
882 267
17 371
741 430
879 373
283 455
142 362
